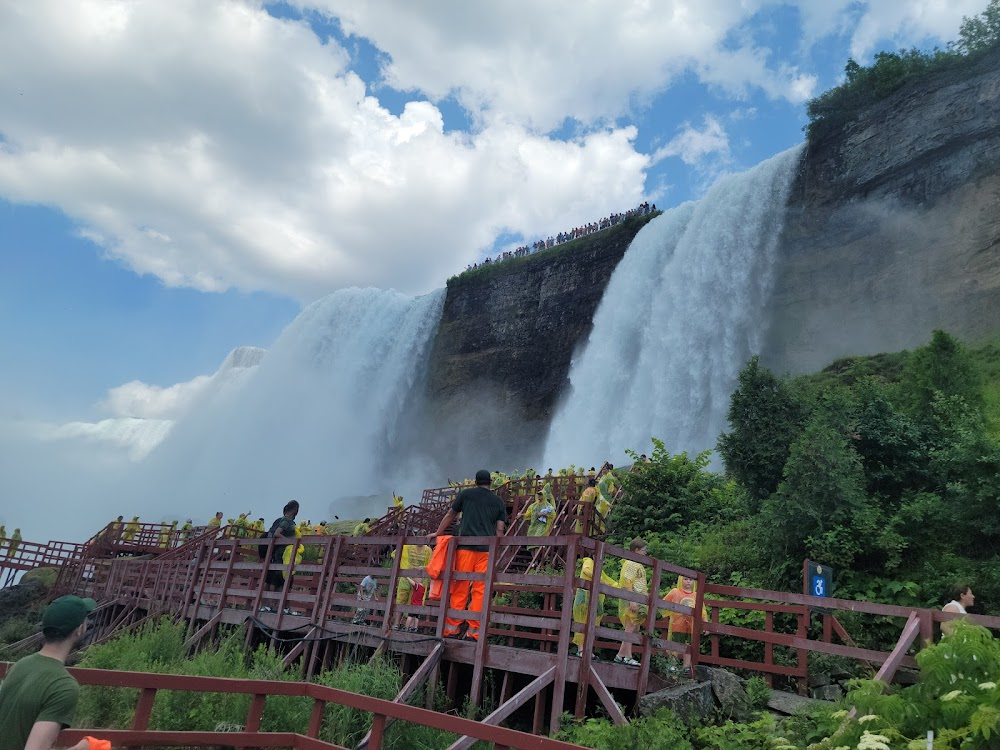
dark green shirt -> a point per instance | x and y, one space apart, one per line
480 509
37 688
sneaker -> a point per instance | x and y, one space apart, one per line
628 662
292 612
265 608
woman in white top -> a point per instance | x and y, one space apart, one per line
962 599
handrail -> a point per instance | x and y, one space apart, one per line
149 684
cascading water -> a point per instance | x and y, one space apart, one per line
316 421
682 313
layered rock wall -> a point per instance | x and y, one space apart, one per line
893 226
892 230
504 346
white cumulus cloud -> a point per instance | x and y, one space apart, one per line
212 145
539 63
692 145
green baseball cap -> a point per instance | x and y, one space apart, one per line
66 614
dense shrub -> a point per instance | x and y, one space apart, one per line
890 71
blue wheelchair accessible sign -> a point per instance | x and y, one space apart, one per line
819 579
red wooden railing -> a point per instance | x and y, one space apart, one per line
140 735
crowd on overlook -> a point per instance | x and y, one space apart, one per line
607 222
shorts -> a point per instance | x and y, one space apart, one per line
274 578
417 598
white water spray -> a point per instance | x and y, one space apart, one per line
316 421
681 314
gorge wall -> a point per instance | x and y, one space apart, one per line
893 226
892 229
504 345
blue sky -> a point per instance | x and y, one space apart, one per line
179 179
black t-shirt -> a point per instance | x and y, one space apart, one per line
287 526
480 509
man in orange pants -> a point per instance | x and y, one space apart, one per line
483 514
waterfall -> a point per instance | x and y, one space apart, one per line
682 313
316 420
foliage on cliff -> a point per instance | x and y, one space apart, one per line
886 468
890 71
542 257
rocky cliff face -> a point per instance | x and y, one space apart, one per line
892 230
503 349
893 226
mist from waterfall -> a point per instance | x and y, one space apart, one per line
682 313
316 421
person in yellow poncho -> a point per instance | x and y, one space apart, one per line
605 496
412 589
363 528
216 521
165 532
581 602
632 614
541 514
3 536
259 526
397 501
131 529
681 625
186 530
286 555
588 496
15 542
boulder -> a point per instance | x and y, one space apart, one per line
728 691
20 599
789 703
692 702
818 679
827 693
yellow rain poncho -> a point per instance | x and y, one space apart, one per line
589 495
131 529
414 556
165 530
286 555
680 623
15 541
397 501
541 514
3 536
361 529
632 578
605 496
581 601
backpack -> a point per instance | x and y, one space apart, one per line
262 548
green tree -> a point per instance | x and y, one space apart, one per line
764 420
820 509
893 449
979 33
668 494
942 366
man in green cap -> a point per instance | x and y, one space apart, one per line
38 696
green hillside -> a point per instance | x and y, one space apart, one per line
886 468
